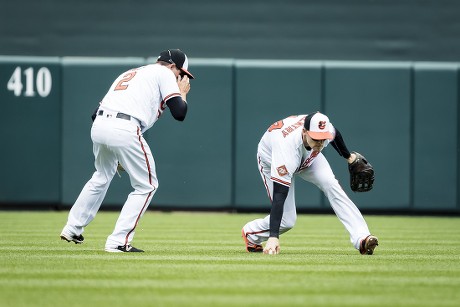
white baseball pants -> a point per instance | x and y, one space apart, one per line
116 140
320 174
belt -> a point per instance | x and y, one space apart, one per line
119 115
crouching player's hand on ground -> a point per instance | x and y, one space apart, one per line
273 246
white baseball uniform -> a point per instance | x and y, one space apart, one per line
132 105
282 156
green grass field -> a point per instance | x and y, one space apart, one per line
198 259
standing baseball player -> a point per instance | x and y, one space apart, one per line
134 102
292 148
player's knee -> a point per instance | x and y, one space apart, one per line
153 188
147 188
289 222
290 225
98 182
328 183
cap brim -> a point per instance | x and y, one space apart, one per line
187 73
320 135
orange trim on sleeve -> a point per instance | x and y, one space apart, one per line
171 96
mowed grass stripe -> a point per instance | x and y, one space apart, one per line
198 259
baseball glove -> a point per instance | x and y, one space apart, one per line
361 174
120 168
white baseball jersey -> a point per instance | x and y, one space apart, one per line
282 148
139 93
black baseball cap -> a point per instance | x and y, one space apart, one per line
176 56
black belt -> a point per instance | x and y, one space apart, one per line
119 115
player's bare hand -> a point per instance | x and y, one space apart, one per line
184 84
272 247
352 158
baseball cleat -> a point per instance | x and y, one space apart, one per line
251 247
72 238
123 249
368 244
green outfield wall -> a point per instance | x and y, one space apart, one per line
404 116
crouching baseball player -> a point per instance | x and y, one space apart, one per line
292 147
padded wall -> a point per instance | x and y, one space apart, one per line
436 136
403 116
30 127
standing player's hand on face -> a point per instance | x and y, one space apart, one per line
272 247
184 84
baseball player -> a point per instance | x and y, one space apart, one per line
292 148
134 102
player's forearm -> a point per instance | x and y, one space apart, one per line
178 108
339 144
280 193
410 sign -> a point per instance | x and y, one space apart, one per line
33 83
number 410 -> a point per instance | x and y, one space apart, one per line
43 82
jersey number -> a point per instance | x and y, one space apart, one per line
121 86
278 125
